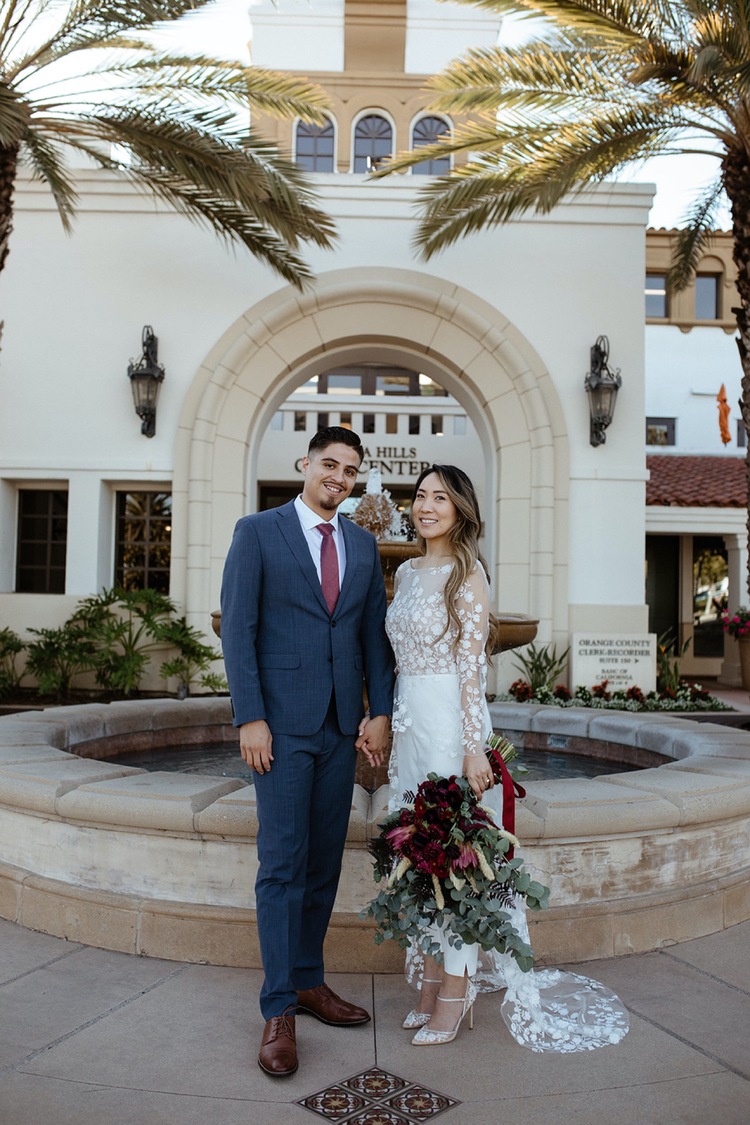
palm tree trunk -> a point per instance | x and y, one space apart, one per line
736 168
8 167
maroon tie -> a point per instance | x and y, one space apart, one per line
329 566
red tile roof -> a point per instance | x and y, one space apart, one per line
696 482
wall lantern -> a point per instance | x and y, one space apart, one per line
602 386
146 376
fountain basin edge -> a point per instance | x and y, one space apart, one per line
164 864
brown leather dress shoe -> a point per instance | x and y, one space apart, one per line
327 1007
278 1048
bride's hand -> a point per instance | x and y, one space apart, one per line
478 773
373 738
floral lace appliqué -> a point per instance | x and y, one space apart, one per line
416 618
400 720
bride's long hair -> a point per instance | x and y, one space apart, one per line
463 538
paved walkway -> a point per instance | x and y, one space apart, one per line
735 697
89 1037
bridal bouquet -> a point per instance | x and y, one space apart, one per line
444 861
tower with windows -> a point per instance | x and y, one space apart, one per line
373 58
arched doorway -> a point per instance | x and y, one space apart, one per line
400 317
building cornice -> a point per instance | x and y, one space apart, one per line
344 194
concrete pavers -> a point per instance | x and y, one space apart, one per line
90 1037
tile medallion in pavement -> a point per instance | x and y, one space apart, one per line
376 1097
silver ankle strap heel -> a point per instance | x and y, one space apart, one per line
425 1037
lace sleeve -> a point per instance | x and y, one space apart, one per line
472 606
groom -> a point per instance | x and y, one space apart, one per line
302 629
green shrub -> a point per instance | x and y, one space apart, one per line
113 634
58 656
193 665
10 646
542 666
125 626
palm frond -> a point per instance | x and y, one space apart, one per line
533 171
88 23
620 22
48 165
693 239
191 152
233 224
725 25
182 119
279 94
14 24
523 136
487 80
109 17
14 116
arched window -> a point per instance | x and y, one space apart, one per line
373 142
428 131
314 146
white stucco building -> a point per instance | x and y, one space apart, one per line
495 334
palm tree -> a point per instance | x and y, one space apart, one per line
605 83
172 124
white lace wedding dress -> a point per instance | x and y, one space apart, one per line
440 714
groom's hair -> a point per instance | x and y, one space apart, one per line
333 434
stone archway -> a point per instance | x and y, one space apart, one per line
482 359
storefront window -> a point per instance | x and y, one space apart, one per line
660 431
710 595
144 533
42 541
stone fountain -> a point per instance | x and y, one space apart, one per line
164 864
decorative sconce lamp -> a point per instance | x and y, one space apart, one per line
602 386
146 376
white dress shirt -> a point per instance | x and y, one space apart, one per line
309 521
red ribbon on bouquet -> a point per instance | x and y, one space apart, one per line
511 790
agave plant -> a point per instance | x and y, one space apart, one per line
83 78
603 83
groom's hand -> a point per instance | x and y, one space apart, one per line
373 739
255 745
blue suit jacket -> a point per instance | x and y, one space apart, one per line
284 652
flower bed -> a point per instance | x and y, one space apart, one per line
687 697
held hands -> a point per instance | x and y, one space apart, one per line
373 738
255 745
478 773
256 742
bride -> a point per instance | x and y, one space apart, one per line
440 627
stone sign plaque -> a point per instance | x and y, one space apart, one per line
624 659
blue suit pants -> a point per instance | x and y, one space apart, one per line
303 805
